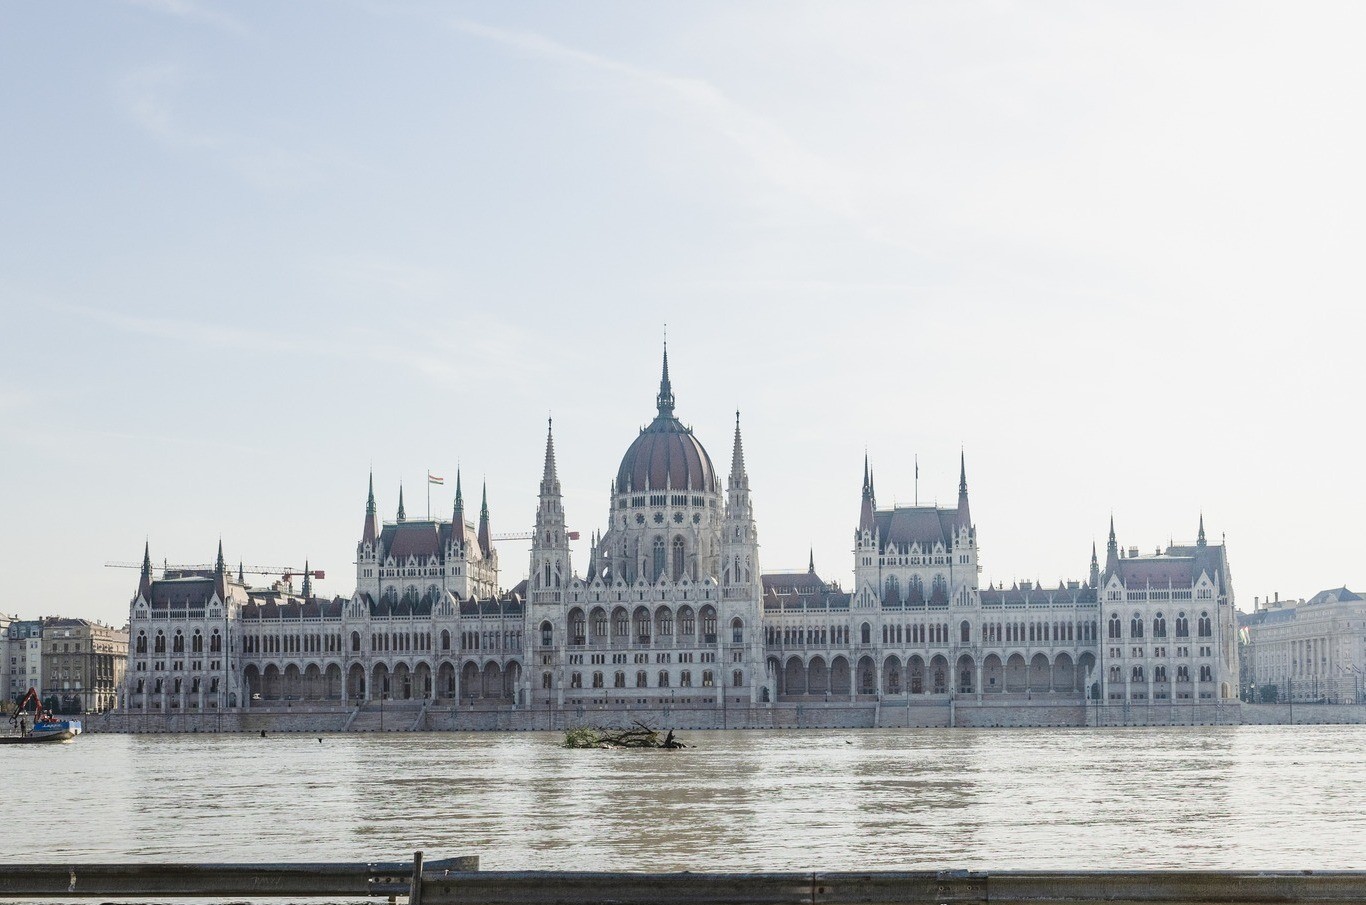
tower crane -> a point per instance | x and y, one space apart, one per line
288 573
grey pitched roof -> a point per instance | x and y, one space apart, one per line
923 525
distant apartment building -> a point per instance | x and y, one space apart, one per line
23 656
82 664
1307 650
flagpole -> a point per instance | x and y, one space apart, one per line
429 494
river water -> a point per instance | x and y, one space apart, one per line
1203 797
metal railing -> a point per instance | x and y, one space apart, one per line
458 881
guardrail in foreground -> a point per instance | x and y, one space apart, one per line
458 881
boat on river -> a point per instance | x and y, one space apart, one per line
47 727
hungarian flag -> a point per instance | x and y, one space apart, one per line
433 479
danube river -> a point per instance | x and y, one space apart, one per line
1227 797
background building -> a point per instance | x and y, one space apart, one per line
83 665
1308 650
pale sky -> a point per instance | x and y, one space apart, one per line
249 250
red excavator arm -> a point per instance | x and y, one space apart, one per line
39 714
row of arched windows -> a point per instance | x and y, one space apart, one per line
1203 625
659 624
196 642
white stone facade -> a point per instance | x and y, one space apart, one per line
674 609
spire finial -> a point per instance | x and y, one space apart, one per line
737 457
549 476
665 400
307 589
241 576
370 499
1200 539
401 515
811 562
962 471
219 565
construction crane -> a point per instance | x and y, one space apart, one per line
528 535
286 572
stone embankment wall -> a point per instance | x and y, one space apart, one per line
970 713
1284 714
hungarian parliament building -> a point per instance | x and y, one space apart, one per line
673 607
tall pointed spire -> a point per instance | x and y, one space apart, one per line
865 519
1111 549
594 541
370 530
811 562
737 456
401 515
665 400
458 514
1095 567
307 590
220 574
964 517
145 579
1200 539
550 480
485 537
241 575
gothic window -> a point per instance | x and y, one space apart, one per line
642 625
678 559
545 681
1204 626
707 680
577 627
1137 674
964 632
1159 673
866 633
160 644
708 625
445 640
1136 626
355 642
576 680
178 643
641 679
737 678
621 626
915 591
142 642
197 643
663 678
1183 626
891 593
547 635
737 630
658 559
687 623
1206 675
685 679
1114 626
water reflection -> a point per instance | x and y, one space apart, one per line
1214 797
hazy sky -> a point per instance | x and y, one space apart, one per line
1113 251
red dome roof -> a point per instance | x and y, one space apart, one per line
666 454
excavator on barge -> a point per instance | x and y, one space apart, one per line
46 725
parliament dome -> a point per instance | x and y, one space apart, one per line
666 455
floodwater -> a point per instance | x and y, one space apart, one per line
1202 797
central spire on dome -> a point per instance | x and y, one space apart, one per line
665 400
